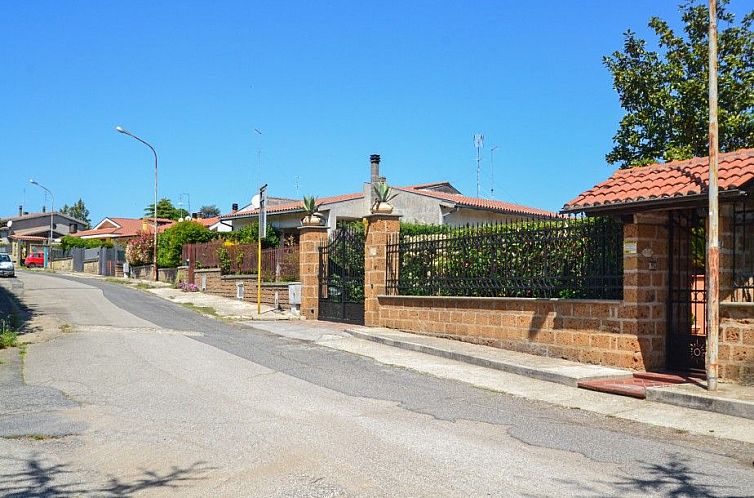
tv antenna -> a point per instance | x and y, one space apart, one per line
478 143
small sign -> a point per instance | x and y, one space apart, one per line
263 212
630 248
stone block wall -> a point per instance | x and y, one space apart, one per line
225 285
736 350
65 264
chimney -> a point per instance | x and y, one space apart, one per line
44 209
234 207
194 216
21 210
374 159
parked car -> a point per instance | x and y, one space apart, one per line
35 259
6 266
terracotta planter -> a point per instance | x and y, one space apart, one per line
382 208
311 221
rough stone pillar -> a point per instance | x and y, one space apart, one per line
726 251
310 240
381 229
645 287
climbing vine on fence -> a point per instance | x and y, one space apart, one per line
564 258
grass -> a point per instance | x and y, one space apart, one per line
66 328
35 436
9 331
206 310
142 285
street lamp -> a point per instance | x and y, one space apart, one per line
122 130
52 207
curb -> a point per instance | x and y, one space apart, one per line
534 373
665 395
699 401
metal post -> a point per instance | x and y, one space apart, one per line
120 129
492 171
478 143
713 241
52 215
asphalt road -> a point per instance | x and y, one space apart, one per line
141 396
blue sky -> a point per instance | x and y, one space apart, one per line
327 83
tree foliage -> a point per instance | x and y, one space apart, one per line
79 211
170 242
165 209
250 233
69 242
664 92
209 211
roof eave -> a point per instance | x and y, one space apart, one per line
649 204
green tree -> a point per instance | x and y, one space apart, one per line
170 242
78 211
664 92
209 211
165 209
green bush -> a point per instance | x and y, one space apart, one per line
250 234
69 242
170 242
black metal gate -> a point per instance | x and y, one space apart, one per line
341 277
687 296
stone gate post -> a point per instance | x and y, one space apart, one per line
381 229
310 240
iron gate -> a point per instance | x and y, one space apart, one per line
687 296
341 277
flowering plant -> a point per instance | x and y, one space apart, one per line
188 287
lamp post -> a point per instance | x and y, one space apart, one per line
52 207
122 130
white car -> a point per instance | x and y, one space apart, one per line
6 266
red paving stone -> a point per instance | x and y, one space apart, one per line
635 386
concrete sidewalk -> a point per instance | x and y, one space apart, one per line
730 399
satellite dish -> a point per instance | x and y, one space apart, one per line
255 202
9 224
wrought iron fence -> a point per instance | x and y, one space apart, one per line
743 252
562 258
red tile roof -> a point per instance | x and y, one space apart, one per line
296 206
476 202
670 180
129 227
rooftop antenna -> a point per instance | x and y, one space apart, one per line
492 170
298 181
478 143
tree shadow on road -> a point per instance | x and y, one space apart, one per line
13 309
673 478
37 478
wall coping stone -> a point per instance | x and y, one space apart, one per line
734 304
511 299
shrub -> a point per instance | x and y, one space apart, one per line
170 242
69 242
139 250
250 233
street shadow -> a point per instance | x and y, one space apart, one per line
37 478
13 310
673 478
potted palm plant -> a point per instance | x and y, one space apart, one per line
383 194
312 216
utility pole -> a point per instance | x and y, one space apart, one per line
713 235
478 143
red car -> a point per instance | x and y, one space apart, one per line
35 259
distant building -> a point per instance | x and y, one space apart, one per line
438 203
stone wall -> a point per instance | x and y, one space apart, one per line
64 264
736 353
91 267
225 285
